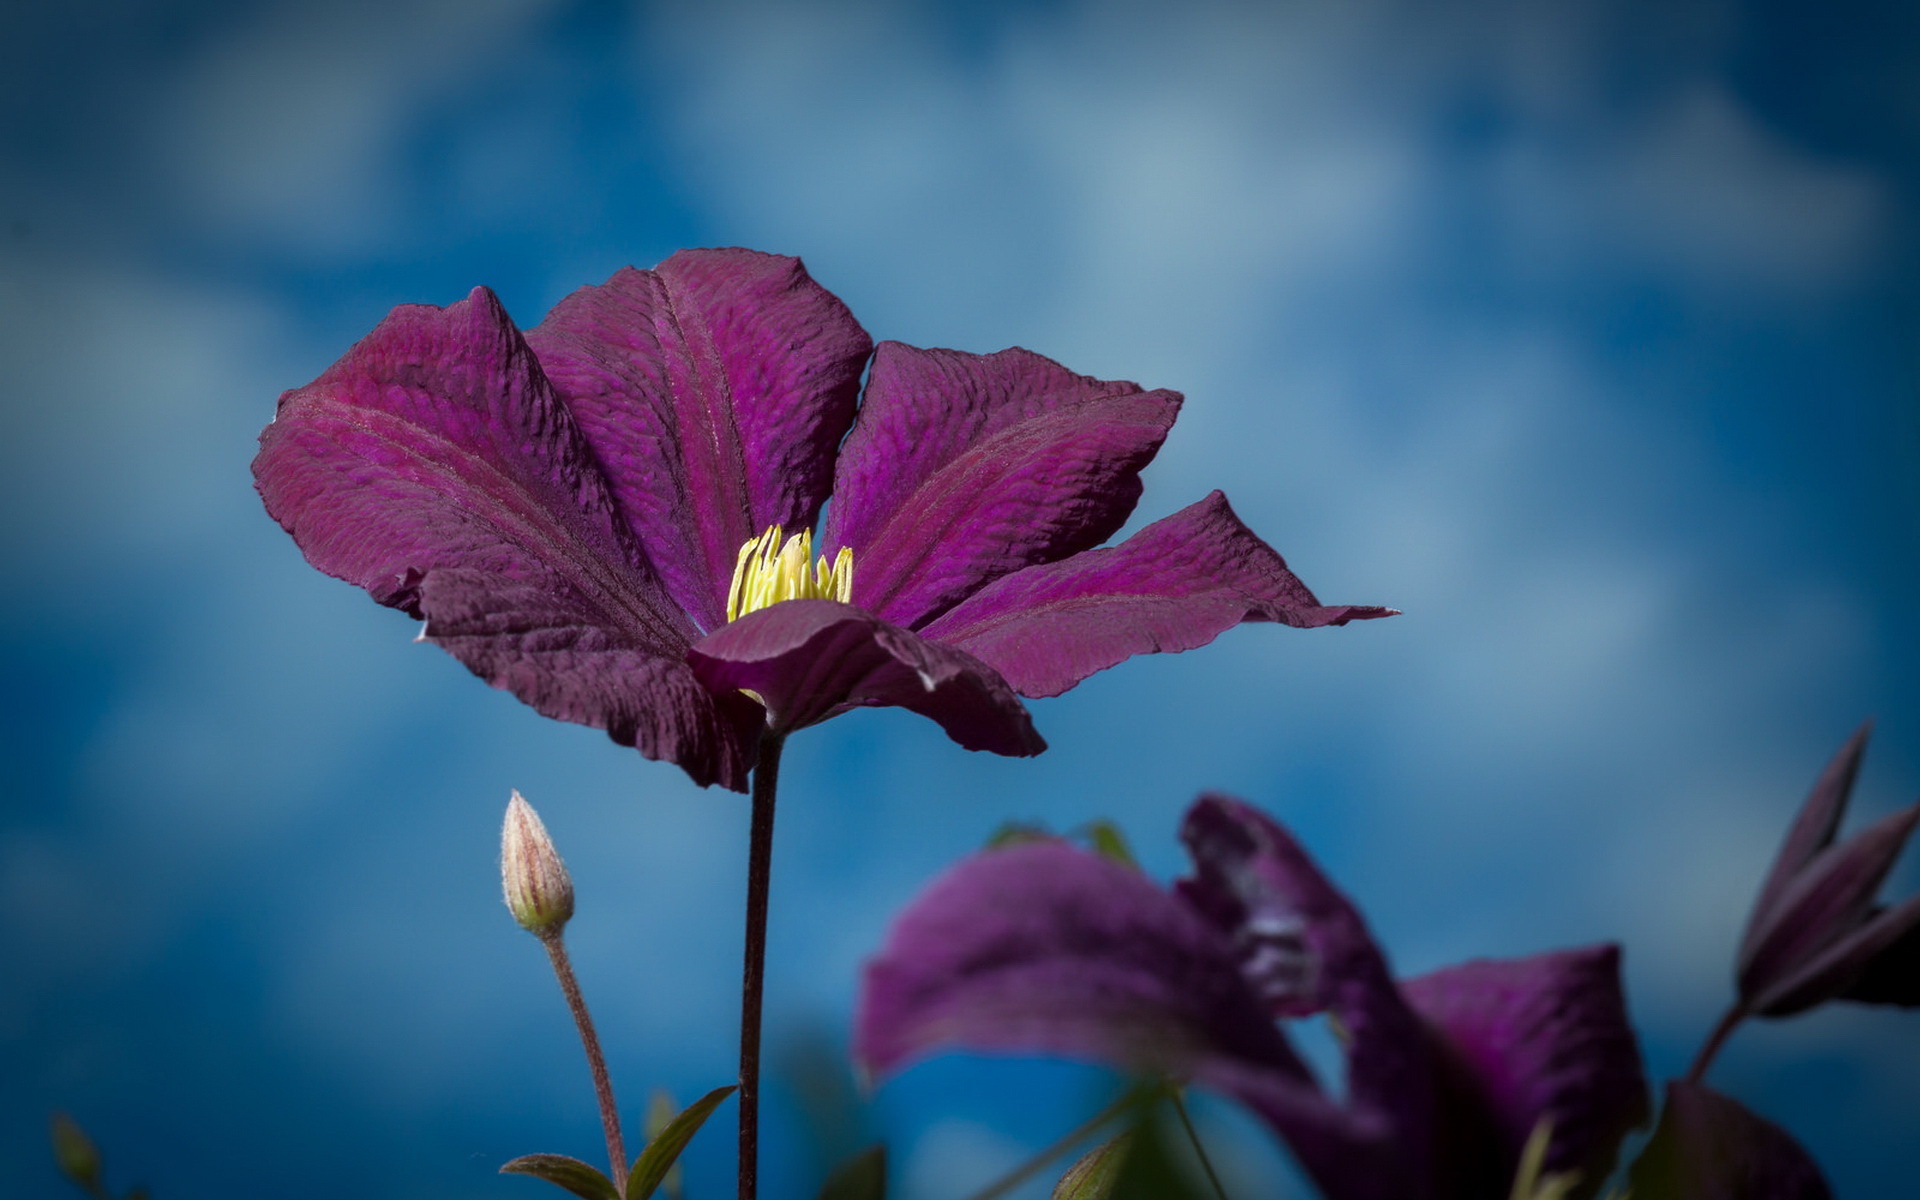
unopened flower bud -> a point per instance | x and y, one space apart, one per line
538 889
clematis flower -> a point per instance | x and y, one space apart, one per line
1043 947
611 514
1816 932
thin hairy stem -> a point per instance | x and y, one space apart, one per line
766 778
1079 1133
1715 1040
1193 1135
596 1061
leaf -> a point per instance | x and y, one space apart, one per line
660 1113
1108 842
862 1177
1017 833
664 1150
1097 1173
562 1171
79 1159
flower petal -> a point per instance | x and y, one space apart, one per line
1536 1038
1176 585
965 467
434 467
1305 947
1812 831
1042 947
810 659
1892 974
1841 967
1828 898
1712 1147
714 390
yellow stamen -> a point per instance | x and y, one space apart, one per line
770 570
1531 1181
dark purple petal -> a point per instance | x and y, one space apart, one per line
965 467
1177 584
1892 976
1305 948
809 659
1711 1147
714 390
434 467
1835 969
1812 831
1533 1038
1044 948
1825 900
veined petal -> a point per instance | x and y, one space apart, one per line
1175 585
1044 948
1533 1039
1812 831
964 467
809 659
434 467
1306 948
714 390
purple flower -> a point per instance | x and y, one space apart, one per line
1046 948
1711 1147
610 516
1816 932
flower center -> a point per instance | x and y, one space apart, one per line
770 570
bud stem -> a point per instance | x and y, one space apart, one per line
596 1062
766 778
1714 1041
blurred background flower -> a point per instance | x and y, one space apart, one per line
1582 333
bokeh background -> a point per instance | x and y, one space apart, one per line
1583 333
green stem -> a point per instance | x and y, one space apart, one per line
1193 1135
766 779
596 1061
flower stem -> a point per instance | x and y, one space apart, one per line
596 1061
1079 1133
1200 1151
1715 1040
766 778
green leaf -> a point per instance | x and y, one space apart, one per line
1017 833
79 1159
569 1173
1097 1173
862 1177
661 1153
1708 1144
1109 843
660 1112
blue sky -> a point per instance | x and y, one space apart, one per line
1582 333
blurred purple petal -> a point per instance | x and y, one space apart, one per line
1825 900
965 467
1834 971
1045 948
1892 976
1532 1038
1176 585
1711 1147
809 659
714 389
1812 831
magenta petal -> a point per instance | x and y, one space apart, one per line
1043 948
1176 585
434 467
567 666
808 659
965 467
1711 1147
1533 1038
714 390
1306 948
